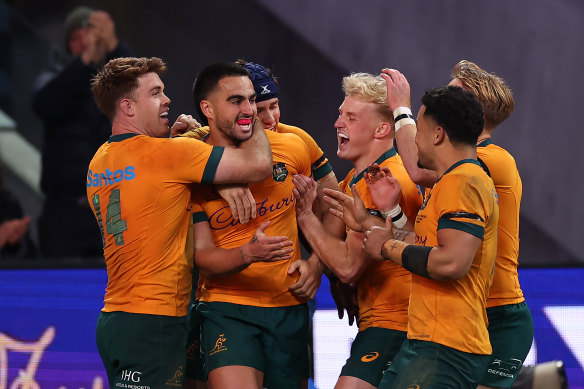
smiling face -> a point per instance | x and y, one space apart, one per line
269 113
232 108
150 106
356 126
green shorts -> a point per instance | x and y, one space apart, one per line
511 334
195 369
142 351
272 340
429 365
372 350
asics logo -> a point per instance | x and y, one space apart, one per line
370 357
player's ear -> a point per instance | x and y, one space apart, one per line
439 135
126 106
383 129
207 108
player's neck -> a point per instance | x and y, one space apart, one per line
455 154
376 150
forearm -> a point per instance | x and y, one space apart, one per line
329 249
319 265
408 151
214 262
333 225
440 263
256 154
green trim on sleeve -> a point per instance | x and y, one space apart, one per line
322 171
469 228
212 163
199 216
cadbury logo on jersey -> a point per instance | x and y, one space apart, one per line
98 179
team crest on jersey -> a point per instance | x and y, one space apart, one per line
279 172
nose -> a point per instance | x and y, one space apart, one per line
166 100
339 122
246 108
268 117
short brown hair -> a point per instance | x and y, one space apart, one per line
491 90
119 78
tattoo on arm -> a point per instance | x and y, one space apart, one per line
401 235
388 247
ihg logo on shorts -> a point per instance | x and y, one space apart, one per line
133 377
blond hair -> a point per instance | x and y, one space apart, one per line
491 90
369 88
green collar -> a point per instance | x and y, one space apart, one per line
121 137
461 162
484 143
385 156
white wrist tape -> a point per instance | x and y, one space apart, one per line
402 117
398 218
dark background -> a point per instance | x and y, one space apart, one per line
534 45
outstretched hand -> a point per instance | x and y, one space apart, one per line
384 188
350 209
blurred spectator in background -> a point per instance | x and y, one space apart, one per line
73 129
15 241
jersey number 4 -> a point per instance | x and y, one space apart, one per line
114 225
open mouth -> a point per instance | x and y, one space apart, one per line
343 139
164 115
244 123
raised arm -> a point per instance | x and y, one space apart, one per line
398 95
250 162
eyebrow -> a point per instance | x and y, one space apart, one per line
240 97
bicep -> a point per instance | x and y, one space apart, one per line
454 255
203 236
